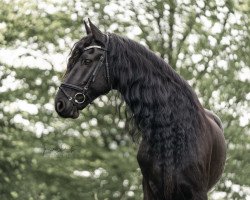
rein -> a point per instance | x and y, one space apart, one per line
80 96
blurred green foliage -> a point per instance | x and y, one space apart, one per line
45 157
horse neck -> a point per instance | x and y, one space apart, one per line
164 107
148 83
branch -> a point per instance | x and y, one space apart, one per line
188 30
215 51
158 20
171 22
141 26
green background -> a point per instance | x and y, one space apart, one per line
45 157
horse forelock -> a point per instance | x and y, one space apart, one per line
76 51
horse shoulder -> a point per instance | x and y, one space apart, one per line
218 153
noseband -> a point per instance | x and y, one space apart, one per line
80 96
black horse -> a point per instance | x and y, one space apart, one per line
182 151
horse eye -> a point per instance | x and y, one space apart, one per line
87 61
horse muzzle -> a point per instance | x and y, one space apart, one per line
65 109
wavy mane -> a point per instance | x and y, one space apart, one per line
165 109
182 150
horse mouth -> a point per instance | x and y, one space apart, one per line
74 114
67 111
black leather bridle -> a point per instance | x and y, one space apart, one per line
80 96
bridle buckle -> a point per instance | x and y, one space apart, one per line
79 95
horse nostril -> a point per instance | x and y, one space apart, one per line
60 106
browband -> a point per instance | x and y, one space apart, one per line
94 46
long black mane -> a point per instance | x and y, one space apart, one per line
165 108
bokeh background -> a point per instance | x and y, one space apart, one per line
45 157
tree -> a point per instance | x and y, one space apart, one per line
45 157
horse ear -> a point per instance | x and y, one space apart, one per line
88 31
97 34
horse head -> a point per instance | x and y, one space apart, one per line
88 74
